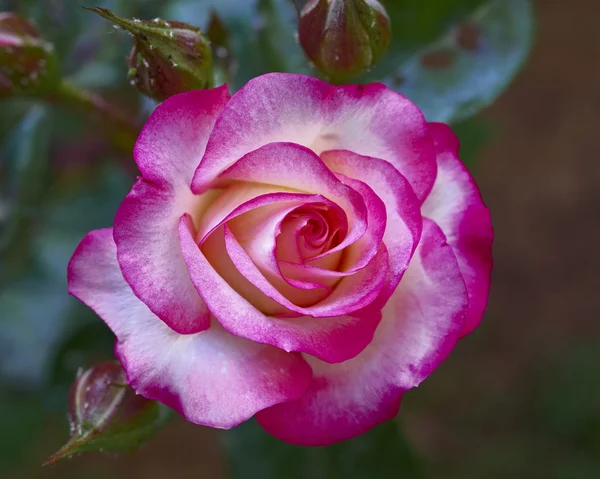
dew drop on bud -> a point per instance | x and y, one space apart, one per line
167 57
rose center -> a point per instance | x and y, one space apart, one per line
308 232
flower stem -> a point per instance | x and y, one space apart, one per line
120 127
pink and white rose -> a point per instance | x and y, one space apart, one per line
298 252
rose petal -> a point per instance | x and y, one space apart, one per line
305 237
455 204
351 294
420 326
403 217
257 233
259 217
212 378
290 245
167 153
150 256
357 255
371 120
215 252
238 198
294 166
258 227
275 287
330 339
173 140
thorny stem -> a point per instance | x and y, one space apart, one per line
68 448
121 128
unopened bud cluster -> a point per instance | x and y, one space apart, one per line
105 414
344 37
167 57
27 63
100 400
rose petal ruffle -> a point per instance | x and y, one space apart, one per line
259 215
212 378
172 142
455 204
403 217
294 166
371 120
167 152
420 326
332 339
350 294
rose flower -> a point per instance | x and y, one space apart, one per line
297 252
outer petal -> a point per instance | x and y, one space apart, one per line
420 326
211 378
330 339
455 204
371 120
167 153
174 138
403 223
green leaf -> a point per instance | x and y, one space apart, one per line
382 452
21 423
239 18
277 37
453 77
65 24
474 134
37 313
472 74
26 163
416 24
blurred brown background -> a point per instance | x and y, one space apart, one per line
520 398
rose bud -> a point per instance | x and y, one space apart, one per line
344 37
167 57
27 62
105 413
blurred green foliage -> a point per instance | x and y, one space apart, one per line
382 452
60 178
454 71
